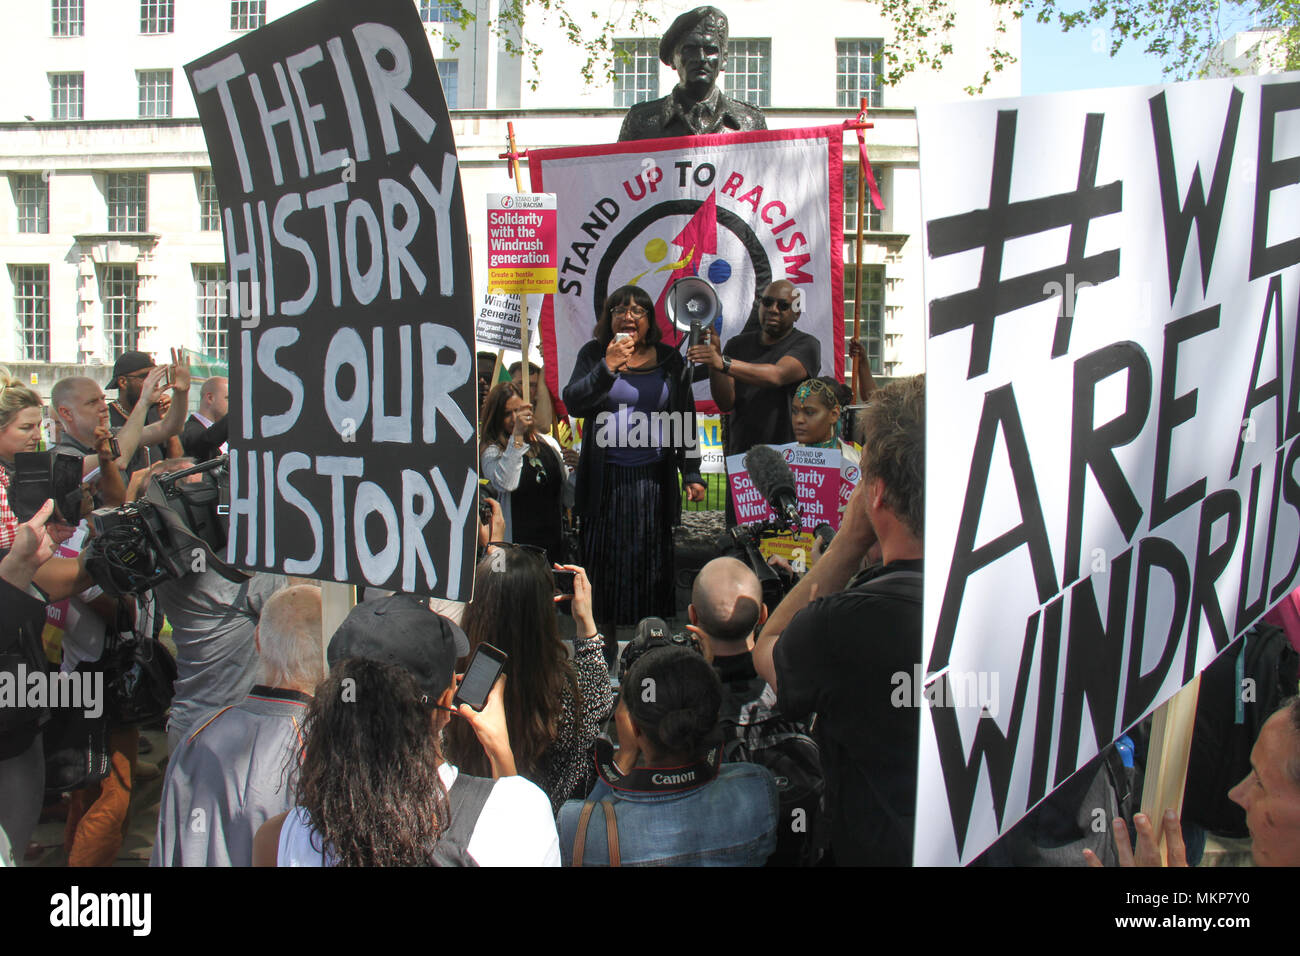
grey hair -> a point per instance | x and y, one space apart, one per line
289 636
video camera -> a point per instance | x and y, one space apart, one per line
179 527
652 632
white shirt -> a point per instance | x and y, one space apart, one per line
516 828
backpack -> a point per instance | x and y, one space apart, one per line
755 732
1227 725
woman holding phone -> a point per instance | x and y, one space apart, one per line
525 469
554 706
627 492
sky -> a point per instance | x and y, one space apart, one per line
1052 60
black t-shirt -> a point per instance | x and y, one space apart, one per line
761 415
838 658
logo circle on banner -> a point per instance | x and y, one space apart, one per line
718 272
852 473
507 202
789 454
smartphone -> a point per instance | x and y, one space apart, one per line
564 581
485 666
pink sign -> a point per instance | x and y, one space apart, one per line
819 479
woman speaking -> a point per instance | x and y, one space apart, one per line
627 493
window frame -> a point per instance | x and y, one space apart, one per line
431 11
32 324
873 294
126 337
157 17
640 52
40 219
209 218
211 305
247 15
62 110
849 96
73 19
453 101
763 55
157 111
128 212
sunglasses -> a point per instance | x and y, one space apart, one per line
781 304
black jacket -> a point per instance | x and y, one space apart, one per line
584 397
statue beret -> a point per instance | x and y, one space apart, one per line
711 18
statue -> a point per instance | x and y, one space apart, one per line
696 46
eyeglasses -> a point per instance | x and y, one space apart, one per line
143 373
633 310
781 304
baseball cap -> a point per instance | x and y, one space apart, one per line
401 630
129 363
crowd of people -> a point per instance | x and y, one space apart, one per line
758 732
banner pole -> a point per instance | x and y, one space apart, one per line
1168 755
524 370
857 261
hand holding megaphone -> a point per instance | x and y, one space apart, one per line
707 352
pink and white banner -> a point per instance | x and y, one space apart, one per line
740 210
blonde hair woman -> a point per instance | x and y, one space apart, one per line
20 430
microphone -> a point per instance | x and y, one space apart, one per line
775 482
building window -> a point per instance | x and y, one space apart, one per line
32 309
247 14
636 71
209 210
69 17
873 310
118 293
857 73
128 197
210 288
433 12
156 16
32 197
749 72
65 96
871 213
155 93
448 71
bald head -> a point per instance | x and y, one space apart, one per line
214 398
728 600
79 405
289 639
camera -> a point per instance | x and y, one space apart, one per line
42 475
178 527
652 632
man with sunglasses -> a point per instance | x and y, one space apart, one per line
754 377
129 372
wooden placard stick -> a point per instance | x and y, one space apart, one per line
1167 756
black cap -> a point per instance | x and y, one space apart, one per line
402 630
711 17
129 363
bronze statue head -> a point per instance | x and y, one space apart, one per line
696 46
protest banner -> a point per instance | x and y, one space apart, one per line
737 209
498 324
521 242
353 442
1110 487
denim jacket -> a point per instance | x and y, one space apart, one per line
729 821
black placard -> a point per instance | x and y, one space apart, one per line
353 448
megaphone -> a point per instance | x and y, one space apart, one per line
691 302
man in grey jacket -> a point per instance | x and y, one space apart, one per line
235 767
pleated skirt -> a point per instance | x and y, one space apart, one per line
627 546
